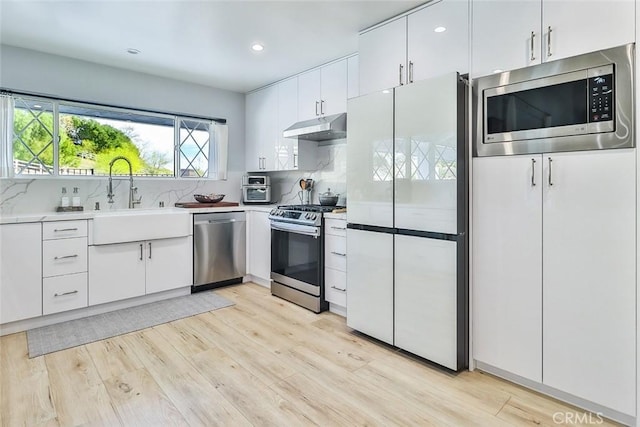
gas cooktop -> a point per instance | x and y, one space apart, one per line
309 208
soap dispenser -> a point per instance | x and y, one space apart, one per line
64 200
76 197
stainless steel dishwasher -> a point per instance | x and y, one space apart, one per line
219 249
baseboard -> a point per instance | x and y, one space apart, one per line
37 322
258 280
558 394
338 309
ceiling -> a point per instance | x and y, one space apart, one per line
205 42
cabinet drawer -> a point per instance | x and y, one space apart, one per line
335 252
335 227
335 283
64 229
64 256
64 293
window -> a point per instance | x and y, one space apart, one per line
60 138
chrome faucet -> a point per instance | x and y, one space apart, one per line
132 189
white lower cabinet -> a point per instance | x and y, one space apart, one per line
335 261
20 271
554 264
64 256
259 245
370 278
62 293
126 270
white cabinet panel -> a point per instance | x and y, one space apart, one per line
426 155
589 276
64 256
309 95
261 129
116 272
502 32
353 77
370 159
335 252
333 78
64 229
581 27
432 53
259 247
169 264
286 154
507 259
370 299
62 293
426 298
382 55
335 227
20 271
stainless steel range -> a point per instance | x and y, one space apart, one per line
297 255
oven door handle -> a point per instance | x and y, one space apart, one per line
296 228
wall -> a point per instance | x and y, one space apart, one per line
31 71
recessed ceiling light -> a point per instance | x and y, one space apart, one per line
497 71
257 47
133 51
440 29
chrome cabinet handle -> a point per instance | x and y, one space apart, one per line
141 249
338 253
550 180
149 250
65 293
533 172
65 257
549 41
533 36
338 289
322 106
338 228
295 160
410 72
58 230
317 108
401 68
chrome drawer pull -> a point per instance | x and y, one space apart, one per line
66 293
338 228
338 253
338 289
57 230
65 257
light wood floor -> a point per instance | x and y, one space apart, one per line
261 362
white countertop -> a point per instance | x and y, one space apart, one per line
336 216
90 214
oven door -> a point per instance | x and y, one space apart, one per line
296 256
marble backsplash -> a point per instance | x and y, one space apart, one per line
331 172
23 195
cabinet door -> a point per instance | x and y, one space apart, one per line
333 79
116 272
426 155
169 264
261 129
286 155
370 299
309 95
506 35
507 256
589 276
370 159
353 76
582 27
253 156
383 56
259 245
20 271
438 40
425 295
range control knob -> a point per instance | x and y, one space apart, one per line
312 216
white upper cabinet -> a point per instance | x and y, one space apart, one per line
506 35
353 77
581 27
438 40
261 129
286 154
308 95
383 55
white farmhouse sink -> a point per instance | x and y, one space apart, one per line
134 225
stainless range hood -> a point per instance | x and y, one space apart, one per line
320 129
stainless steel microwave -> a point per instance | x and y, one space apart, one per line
580 103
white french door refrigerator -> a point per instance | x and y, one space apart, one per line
407 218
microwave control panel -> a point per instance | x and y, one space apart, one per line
601 98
